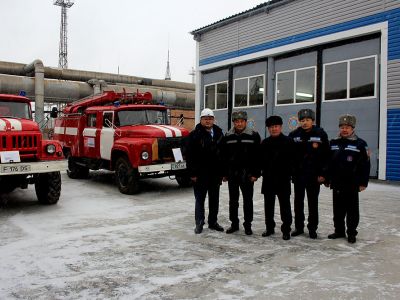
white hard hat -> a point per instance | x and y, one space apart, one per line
207 113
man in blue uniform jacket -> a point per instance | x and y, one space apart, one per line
312 153
348 174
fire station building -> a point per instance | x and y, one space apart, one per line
333 56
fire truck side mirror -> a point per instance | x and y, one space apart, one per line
54 112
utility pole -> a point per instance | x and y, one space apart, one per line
63 52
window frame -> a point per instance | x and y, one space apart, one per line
248 91
348 61
215 84
294 86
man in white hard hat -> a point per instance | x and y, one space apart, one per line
204 166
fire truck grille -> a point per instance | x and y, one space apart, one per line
27 145
165 147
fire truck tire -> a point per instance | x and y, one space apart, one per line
48 187
127 178
183 180
76 171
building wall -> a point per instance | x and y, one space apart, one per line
303 20
284 21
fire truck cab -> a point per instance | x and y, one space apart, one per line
25 157
124 133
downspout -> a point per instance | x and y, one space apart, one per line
37 67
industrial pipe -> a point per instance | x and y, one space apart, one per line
77 75
38 68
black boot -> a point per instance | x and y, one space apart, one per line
297 232
248 231
232 229
216 227
351 239
336 235
313 234
286 236
198 229
268 232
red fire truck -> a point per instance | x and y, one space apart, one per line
25 157
121 132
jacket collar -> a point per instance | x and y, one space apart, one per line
247 130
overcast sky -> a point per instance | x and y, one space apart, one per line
103 35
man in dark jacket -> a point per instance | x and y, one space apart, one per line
312 152
277 156
348 174
240 153
204 166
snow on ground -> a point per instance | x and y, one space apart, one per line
99 244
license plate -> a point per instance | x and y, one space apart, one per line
178 166
10 169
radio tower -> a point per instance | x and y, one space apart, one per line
63 53
168 72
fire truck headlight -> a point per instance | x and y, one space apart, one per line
145 155
50 149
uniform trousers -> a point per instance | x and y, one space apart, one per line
300 188
201 187
346 205
247 187
285 209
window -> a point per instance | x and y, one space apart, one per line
295 86
144 116
350 79
216 96
108 119
15 109
91 120
249 91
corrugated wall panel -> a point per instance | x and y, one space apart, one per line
304 16
393 84
287 20
393 145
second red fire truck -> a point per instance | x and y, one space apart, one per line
125 133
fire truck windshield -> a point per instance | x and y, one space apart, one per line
15 109
145 116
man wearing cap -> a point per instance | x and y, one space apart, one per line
312 153
205 168
277 156
348 174
240 153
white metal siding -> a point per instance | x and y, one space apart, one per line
289 19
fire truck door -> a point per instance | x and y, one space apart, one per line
107 135
90 141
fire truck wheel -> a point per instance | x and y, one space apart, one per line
127 177
48 187
76 171
183 180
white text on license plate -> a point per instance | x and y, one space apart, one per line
178 166
9 169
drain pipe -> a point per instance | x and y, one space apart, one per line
37 67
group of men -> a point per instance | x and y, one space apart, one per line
305 157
